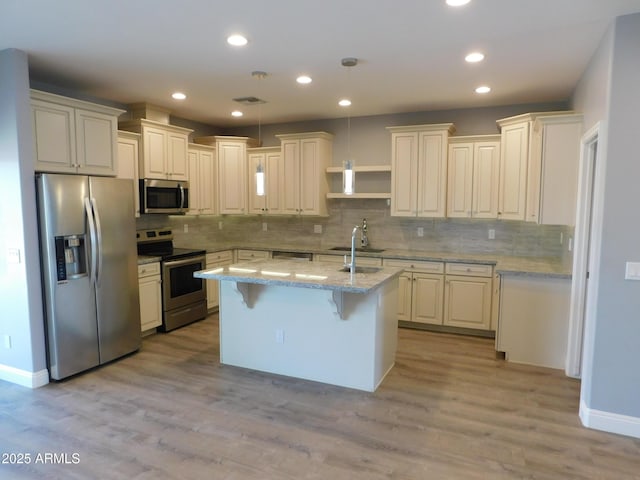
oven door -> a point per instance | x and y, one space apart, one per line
179 288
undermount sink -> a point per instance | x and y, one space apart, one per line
347 268
358 249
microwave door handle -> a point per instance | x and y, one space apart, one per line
96 213
181 196
93 236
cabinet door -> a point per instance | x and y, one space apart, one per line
177 163
150 302
206 169
514 153
310 171
404 174
404 296
55 146
274 182
486 164
257 203
427 298
432 174
467 302
128 166
154 149
291 175
232 174
460 173
96 140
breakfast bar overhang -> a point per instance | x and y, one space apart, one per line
308 320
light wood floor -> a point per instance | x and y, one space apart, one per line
447 410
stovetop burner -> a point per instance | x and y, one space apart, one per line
159 243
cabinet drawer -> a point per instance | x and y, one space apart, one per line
362 261
252 254
148 269
415 265
469 269
223 257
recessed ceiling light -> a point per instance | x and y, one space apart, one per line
457 3
483 89
237 40
474 57
178 96
345 102
236 113
304 79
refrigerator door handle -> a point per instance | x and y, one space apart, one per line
94 240
96 214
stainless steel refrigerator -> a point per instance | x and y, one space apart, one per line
89 267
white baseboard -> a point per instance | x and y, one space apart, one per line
24 378
609 422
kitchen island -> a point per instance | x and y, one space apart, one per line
308 320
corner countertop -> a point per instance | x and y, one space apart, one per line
292 273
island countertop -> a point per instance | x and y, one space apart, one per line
317 275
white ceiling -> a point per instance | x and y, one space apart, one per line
411 52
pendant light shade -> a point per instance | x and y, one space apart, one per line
260 180
348 173
348 178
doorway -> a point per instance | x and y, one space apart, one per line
588 217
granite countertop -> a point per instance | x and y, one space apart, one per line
292 273
504 264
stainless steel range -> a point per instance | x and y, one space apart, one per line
184 298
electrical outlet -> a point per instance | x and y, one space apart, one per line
264 226
492 234
570 246
420 232
7 342
317 229
561 238
13 256
185 228
279 335
220 225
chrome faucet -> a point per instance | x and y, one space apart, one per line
352 266
364 240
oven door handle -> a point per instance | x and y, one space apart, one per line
185 261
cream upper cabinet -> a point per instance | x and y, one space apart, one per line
514 156
305 158
202 180
473 167
232 174
73 136
128 149
163 149
270 160
419 169
552 188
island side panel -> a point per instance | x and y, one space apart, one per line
386 329
296 331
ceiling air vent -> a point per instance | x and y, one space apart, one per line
249 100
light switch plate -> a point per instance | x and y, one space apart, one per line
13 256
264 226
420 231
317 229
632 272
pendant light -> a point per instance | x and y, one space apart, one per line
348 173
260 179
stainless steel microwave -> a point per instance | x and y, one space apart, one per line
164 196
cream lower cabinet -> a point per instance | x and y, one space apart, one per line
215 260
467 295
244 255
150 287
420 290
202 180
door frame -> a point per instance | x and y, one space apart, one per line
587 235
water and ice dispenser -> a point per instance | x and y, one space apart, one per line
71 258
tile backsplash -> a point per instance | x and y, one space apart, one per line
384 231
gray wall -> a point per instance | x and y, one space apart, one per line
20 293
611 380
371 142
